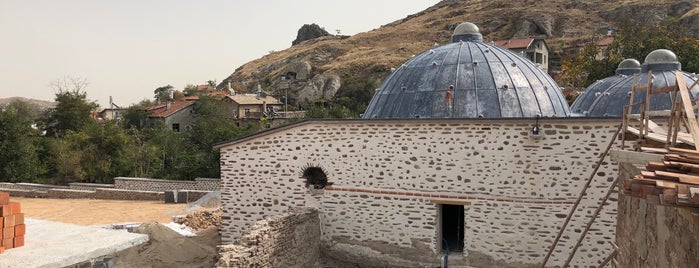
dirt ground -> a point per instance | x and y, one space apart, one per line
165 248
98 212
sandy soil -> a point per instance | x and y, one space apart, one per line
97 212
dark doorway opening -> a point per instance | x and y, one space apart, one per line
452 228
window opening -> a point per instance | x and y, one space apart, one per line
316 178
452 227
176 127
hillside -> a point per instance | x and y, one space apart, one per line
40 104
334 66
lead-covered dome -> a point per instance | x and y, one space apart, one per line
582 103
467 79
662 64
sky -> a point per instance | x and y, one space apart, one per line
128 48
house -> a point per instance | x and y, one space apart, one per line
110 114
472 157
603 44
534 49
252 106
176 115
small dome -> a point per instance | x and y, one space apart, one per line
582 103
661 56
466 32
468 79
662 64
629 64
466 28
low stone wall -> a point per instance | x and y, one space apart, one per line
122 189
156 185
291 239
89 186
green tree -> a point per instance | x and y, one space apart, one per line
212 125
19 158
72 111
136 115
163 94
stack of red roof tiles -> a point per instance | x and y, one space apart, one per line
11 223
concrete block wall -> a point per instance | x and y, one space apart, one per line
290 239
390 175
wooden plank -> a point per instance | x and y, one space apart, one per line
659 113
656 128
660 90
687 104
652 166
669 196
666 184
654 150
685 151
684 178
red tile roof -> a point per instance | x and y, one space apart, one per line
162 111
515 43
605 41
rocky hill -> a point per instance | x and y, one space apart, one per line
41 105
329 67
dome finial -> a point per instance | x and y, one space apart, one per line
466 31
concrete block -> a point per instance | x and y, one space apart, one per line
15 208
5 210
4 198
170 197
20 229
18 241
18 219
8 232
181 197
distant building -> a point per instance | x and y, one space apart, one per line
534 49
175 115
110 114
252 106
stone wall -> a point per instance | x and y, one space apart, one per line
157 185
287 240
655 236
389 177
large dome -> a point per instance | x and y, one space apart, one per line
467 79
663 64
582 103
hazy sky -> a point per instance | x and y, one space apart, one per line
127 48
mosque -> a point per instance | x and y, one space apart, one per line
467 150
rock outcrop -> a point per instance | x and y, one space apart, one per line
308 32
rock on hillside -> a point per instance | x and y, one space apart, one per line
40 104
332 66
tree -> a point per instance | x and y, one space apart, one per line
19 159
136 115
163 94
72 111
212 126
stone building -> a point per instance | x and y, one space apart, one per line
176 115
466 150
534 49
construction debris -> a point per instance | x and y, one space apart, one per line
672 182
202 219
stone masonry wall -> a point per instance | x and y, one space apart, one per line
656 236
158 185
389 177
290 239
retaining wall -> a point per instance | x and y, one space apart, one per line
290 239
156 185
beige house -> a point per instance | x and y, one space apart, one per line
252 106
534 49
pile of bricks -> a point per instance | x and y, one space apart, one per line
11 223
672 182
